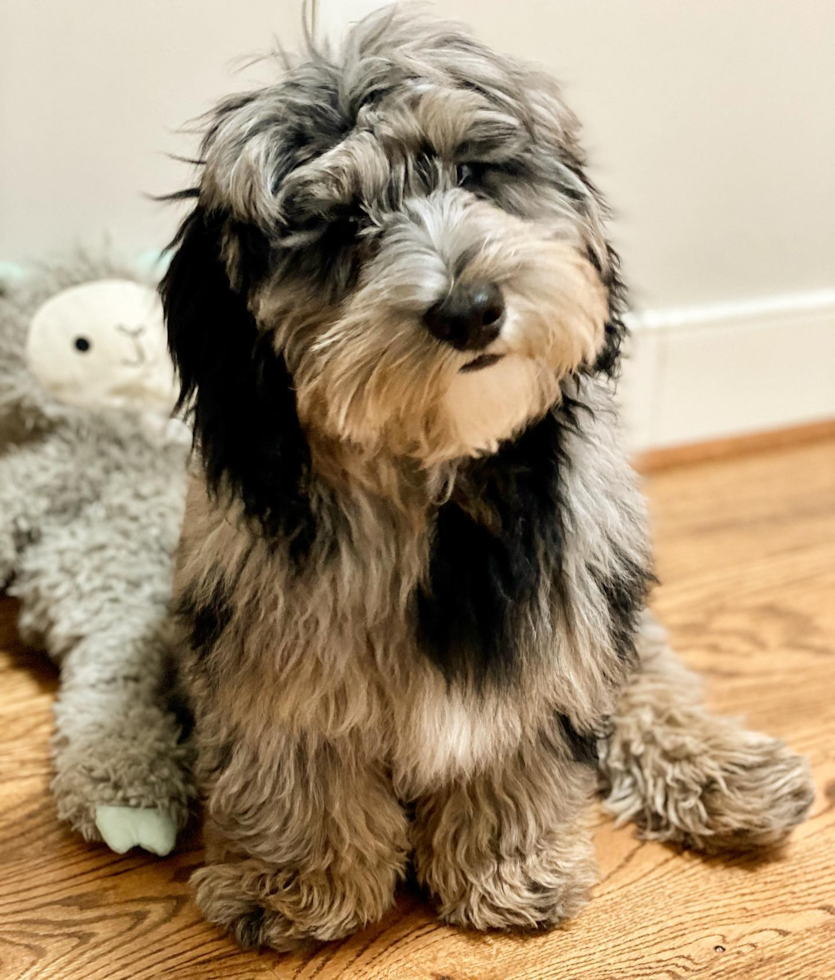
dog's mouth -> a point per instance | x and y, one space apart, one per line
483 361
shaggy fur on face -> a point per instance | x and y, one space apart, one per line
414 563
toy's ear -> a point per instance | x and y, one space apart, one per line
237 386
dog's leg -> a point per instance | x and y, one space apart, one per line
509 848
305 842
686 776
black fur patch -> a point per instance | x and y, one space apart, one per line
239 389
626 595
205 618
174 695
608 360
485 571
494 542
581 745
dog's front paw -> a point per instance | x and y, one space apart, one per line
267 906
534 891
762 792
706 783
227 896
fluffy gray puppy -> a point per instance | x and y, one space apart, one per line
92 487
413 573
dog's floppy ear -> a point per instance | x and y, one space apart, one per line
608 360
557 158
237 387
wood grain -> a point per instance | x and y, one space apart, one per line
655 460
747 560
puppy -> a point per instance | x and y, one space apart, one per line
412 578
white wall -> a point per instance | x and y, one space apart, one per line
710 124
91 93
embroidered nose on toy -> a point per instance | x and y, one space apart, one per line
469 318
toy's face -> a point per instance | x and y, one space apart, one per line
103 343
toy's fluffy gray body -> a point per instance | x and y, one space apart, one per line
412 580
91 504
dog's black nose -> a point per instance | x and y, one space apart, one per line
469 318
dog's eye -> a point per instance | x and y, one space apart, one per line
342 231
465 173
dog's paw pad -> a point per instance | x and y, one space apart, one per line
124 827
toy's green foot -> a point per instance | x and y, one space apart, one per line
124 827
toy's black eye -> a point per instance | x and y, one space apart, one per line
82 344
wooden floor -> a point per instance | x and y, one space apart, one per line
747 559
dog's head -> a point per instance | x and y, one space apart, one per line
397 249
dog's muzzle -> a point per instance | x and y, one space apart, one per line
469 318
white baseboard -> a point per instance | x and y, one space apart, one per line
711 372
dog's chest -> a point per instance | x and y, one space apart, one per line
445 642
441 733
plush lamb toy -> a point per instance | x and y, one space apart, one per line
92 487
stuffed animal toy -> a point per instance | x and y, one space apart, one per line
92 488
